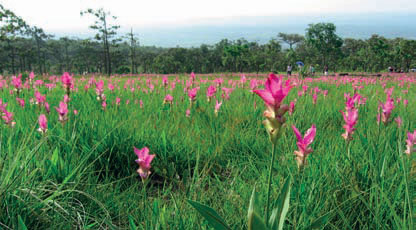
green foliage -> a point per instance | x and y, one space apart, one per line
82 175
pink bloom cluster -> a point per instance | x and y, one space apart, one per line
144 160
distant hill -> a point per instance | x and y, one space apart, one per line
262 29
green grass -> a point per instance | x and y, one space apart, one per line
82 175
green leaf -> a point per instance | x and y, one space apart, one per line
132 224
22 225
55 157
319 223
255 222
210 215
254 204
277 218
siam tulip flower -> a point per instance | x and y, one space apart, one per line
104 104
118 100
303 144
168 99
405 102
67 82
99 90
2 106
386 108
217 107
211 92
253 84
141 104
314 98
17 83
144 159
110 87
127 101
66 98
40 99
192 94
43 124
226 93
350 118
31 76
273 95
47 107
165 81
292 107
188 113
8 118
62 111
325 93
20 101
398 120
411 143
192 77
75 112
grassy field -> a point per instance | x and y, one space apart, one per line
81 173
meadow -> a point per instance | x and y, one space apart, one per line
80 170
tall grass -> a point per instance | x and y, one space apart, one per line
82 175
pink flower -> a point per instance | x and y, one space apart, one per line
292 107
2 106
141 104
405 102
66 80
211 92
350 118
303 144
99 89
75 112
66 98
144 160
43 124
387 108
20 101
314 98
40 99
411 142
398 120
8 118
47 107
217 107
62 111
226 93
104 104
273 95
192 94
118 100
253 84
188 113
274 92
168 99
17 83
165 81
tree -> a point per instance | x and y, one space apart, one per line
105 32
322 37
290 39
133 43
11 26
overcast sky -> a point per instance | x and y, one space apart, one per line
59 15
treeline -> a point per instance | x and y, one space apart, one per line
25 48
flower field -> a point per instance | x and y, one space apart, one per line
153 152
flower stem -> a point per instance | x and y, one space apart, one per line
269 183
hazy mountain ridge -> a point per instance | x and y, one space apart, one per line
262 29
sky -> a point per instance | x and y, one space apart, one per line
61 16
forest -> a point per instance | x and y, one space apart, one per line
25 48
